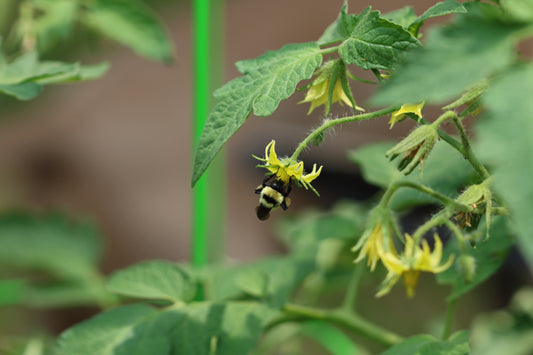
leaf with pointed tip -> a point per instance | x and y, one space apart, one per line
200 328
133 24
403 17
376 43
267 80
156 280
55 242
440 9
340 29
450 61
506 143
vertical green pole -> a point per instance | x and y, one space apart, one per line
208 195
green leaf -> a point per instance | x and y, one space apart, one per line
423 344
49 244
22 91
330 337
118 331
77 73
65 294
456 345
505 143
440 9
445 170
450 61
267 80
519 10
201 328
283 275
304 233
489 256
340 29
24 77
376 43
27 67
508 331
411 345
252 281
132 24
403 17
156 280
11 291
54 22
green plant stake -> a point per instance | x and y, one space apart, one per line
208 196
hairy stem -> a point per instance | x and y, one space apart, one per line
438 219
331 123
445 200
468 153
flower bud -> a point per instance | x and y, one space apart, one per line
475 196
467 267
415 148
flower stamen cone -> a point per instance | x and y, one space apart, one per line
329 83
287 169
415 259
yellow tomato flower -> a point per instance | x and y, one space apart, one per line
288 168
376 240
372 247
409 265
397 116
318 94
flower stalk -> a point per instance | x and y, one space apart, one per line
331 123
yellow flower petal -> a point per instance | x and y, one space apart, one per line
404 109
312 175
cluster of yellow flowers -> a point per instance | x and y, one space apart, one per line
376 245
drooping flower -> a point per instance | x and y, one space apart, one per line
414 260
474 196
318 92
399 115
288 169
415 148
376 239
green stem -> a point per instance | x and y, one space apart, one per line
468 152
350 321
436 220
449 319
329 50
445 137
445 116
331 123
353 288
455 230
446 201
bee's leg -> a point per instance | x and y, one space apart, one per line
289 188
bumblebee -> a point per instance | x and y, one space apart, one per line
273 193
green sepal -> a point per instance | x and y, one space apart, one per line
334 74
